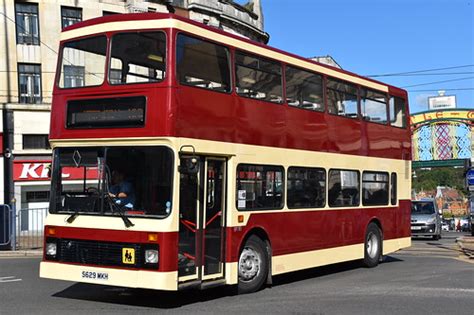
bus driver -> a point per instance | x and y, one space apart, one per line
122 190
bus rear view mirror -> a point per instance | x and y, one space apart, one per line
189 165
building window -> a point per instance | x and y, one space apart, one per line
73 76
107 13
37 196
29 83
27 26
374 189
70 16
259 187
306 187
343 188
115 76
36 142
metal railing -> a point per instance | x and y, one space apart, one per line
30 227
21 229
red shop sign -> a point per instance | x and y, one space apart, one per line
38 170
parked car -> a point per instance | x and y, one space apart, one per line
425 219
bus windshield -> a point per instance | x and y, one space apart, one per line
138 57
113 180
83 62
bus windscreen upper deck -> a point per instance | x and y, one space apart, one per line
138 57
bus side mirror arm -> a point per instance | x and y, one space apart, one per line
189 165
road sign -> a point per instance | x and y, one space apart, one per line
470 177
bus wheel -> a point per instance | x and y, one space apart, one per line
372 246
253 265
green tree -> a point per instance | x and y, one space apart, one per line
429 179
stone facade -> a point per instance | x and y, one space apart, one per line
29 32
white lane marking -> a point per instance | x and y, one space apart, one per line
9 279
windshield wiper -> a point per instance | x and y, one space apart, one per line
120 210
73 216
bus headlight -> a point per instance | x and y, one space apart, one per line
151 256
51 249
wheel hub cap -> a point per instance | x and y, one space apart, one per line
372 245
249 264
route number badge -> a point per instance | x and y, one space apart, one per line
128 256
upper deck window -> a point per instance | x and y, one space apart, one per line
202 64
258 78
397 112
138 58
373 106
83 62
342 98
304 89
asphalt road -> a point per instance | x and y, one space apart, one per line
429 278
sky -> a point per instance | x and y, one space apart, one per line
379 37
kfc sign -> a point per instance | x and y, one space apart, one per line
35 171
31 171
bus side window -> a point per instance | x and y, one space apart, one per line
393 189
306 187
344 188
341 98
373 105
258 78
202 64
397 112
375 188
304 89
259 187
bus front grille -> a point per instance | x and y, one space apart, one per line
98 253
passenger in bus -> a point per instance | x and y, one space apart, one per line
122 190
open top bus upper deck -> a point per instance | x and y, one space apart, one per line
167 106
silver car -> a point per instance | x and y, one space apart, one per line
425 219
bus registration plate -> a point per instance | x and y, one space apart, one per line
95 275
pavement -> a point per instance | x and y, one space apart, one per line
21 253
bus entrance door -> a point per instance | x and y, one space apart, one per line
201 227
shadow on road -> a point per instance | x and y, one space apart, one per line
141 297
168 300
324 271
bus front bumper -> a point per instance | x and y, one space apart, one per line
109 276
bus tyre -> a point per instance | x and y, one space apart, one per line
372 246
252 265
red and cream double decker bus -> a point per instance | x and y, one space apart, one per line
237 161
